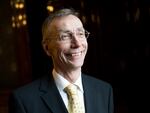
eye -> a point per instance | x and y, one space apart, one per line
65 36
81 34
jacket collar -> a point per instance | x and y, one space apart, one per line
89 98
50 95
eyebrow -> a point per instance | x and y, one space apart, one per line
68 31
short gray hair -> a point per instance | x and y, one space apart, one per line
56 14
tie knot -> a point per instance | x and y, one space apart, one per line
71 89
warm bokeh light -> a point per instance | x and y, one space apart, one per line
20 17
24 22
21 5
18 25
13 18
13 25
16 5
24 15
19 20
50 8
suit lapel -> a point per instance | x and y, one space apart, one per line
51 96
89 96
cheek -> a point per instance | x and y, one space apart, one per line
62 48
57 51
85 45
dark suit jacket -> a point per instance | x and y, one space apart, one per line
42 96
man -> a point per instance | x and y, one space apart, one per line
65 41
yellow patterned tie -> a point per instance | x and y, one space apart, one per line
74 105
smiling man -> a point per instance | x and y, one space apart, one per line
65 41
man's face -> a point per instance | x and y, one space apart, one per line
67 53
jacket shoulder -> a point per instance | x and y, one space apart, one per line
95 81
30 88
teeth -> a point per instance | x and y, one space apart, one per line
76 54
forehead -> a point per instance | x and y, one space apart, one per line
69 22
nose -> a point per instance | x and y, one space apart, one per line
76 42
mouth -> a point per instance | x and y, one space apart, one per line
75 54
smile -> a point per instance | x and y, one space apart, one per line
76 54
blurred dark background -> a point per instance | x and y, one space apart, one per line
119 46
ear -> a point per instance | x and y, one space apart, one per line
46 48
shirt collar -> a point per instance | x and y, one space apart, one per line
61 82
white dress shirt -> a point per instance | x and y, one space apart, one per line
61 83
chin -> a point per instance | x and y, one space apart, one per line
77 65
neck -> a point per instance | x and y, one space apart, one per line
71 76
